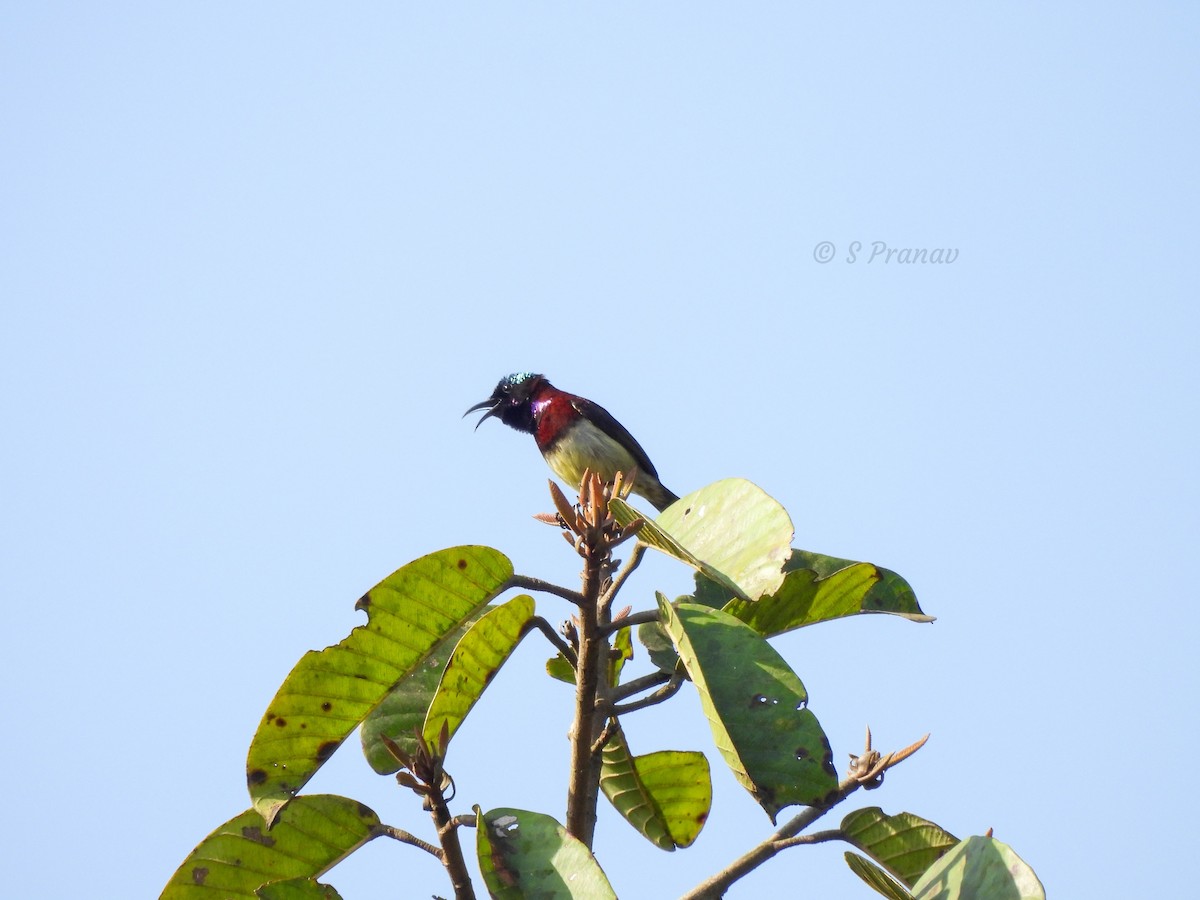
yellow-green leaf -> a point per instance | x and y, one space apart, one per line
806 598
241 856
731 531
979 867
297 889
329 692
666 795
905 844
877 879
473 664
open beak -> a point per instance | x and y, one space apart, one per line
492 407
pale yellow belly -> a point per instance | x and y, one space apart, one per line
588 444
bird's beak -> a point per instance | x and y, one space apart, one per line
490 405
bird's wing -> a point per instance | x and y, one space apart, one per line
602 419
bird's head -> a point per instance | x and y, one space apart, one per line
512 401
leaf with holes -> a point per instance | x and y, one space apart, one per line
666 795
979 867
525 854
904 844
241 856
756 706
410 614
731 531
473 664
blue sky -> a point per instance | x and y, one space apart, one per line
258 260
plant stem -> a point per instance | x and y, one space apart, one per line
529 583
716 886
452 854
585 770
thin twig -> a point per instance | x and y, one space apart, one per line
529 583
663 693
865 772
611 727
404 837
644 683
635 559
637 618
553 637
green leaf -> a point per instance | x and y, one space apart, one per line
890 593
311 835
658 645
411 613
979 867
805 599
297 889
756 706
529 855
731 531
475 661
558 667
809 595
400 716
905 844
876 878
622 646
666 795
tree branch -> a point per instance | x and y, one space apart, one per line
663 693
637 618
451 855
716 886
635 559
644 683
866 771
404 837
554 637
529 583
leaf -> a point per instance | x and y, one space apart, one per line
311 835
905 844
805 599
658 646
475 661
876 878
731 531
979 867
622 646
653 536
529 855
558 667
401 714
297 889
756 706
808 596
666 795
890 594
411 613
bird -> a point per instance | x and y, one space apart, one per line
573 433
